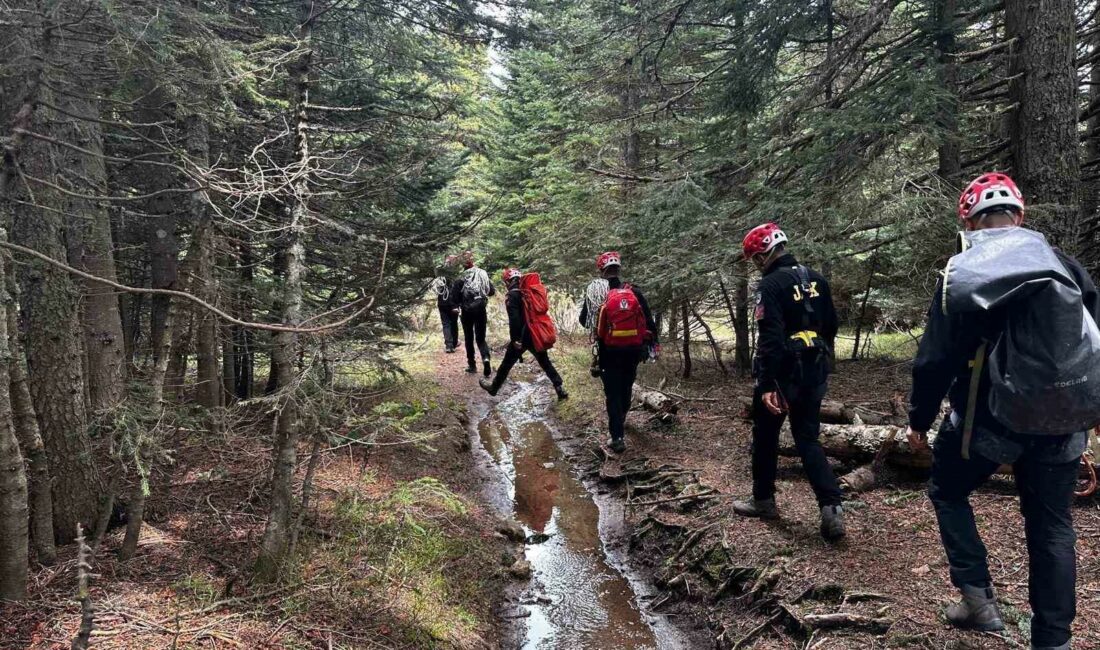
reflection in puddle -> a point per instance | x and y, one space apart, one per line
590 604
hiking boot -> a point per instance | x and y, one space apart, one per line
617 445
560 390
449 350
976 611
832 523
762 508
1065 646
471 368
489 386
487 368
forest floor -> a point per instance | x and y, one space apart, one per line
401 548
758 583
396 551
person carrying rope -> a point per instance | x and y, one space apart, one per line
960 356
446 303
625 333
472 290
796 330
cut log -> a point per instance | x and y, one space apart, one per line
833 412
662 406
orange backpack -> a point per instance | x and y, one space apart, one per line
536 308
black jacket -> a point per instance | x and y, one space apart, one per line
446 300
950 342
780 313
650 324
517 321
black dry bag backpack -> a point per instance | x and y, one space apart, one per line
1044 366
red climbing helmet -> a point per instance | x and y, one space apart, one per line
510 274
992 190
610 258
762 239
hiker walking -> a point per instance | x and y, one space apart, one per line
1010 341
529 329
625 335
796 328
447 305
472 290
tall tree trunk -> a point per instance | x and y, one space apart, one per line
13 478
203 283
743 353
55 360
30 437
276 538
91 248
1090 199
29 443
243 341
947 116
1043 127
686 326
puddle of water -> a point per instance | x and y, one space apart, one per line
586 602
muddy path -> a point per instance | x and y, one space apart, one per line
583 591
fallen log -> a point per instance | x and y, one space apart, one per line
662 406
860 443
833 412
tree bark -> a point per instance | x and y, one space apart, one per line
686 326
203 281
949 152
743 352
30 437
277 533
1043 127
13 479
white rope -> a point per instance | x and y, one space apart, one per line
476 283
442 288
595 295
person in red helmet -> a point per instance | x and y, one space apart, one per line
447 303
954 359
796 329
521 340
625 333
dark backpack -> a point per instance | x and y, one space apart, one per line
475 295
1044 364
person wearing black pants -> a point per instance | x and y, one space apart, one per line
472 291
1045 467
447 305
796 328
618 366
520 342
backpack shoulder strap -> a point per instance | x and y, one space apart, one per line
977 366
801 275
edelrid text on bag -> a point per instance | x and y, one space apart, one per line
622 321
536 311
1044 366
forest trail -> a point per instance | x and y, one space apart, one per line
583 592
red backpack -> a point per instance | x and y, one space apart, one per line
536 307
622 321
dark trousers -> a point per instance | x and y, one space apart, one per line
805 414
449 319
1046 492
473 328
513 355
618 370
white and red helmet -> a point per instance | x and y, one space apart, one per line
762 239
610 258
992 190
510 274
